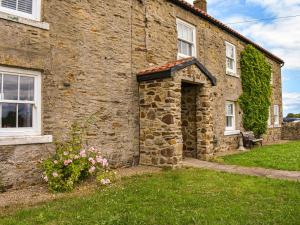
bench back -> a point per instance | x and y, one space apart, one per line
248 135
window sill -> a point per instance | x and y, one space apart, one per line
231 132
25 140
29 22
182 56
232 74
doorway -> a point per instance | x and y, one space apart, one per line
188 119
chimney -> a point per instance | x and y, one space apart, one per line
201 4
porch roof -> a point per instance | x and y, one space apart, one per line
166 70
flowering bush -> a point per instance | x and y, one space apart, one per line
73 163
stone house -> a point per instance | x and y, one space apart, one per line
160 77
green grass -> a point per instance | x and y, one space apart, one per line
187 196
281 156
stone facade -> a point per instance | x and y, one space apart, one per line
161 134
89 59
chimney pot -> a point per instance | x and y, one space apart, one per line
201 4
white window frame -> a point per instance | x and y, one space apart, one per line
36 120
194 44
229 71
276 116
272 77
233 116
270 118
36 11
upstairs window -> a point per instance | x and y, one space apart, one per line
186 39
24 8
20 107
230 116
272 78
230 59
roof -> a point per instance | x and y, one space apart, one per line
166 70
185 5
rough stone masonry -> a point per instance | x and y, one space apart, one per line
89 58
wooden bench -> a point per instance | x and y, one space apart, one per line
249 139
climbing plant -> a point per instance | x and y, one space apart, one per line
255 100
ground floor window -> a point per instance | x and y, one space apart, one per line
20 102
230 116
270 118
276 116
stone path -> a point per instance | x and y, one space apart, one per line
252 171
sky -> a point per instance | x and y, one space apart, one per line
280 36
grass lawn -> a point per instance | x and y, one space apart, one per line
187 196
281 156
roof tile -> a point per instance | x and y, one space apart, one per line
164 67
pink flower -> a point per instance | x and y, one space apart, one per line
92 169
104 162
76 157
92 161
66 153
92 149
54 174
55 161
99 159
82 154
67 162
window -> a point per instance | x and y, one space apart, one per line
20 107
276 116
230 59
25 8
272 77
270 118
230 116
186 39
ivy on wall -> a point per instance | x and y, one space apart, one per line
255 100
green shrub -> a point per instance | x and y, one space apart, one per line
73 163
255 100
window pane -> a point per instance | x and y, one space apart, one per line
229 110
9 112
25 6
25 115
185 48
229 121
230 51
11 4
10 87
27 88
230 63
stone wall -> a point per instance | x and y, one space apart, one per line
161 133
273 135
20 164
210 51
291 131
89 59
86 63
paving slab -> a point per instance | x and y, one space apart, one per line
252 171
